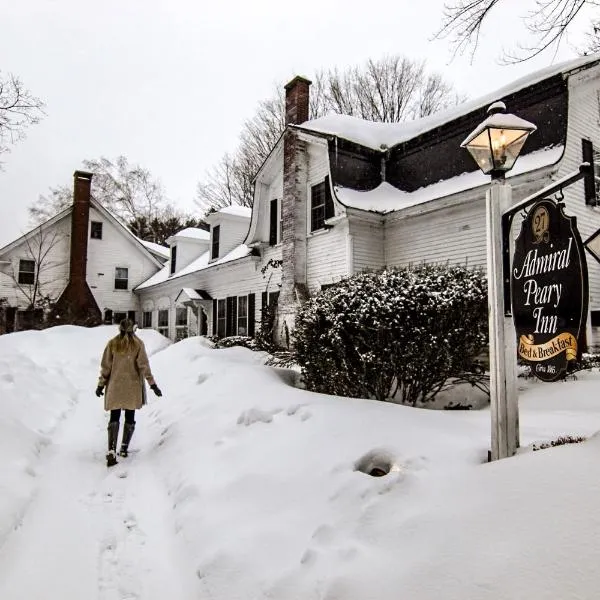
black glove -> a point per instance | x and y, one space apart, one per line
155 389
99 390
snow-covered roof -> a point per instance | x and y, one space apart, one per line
375 135
386 198
156 248
195 233
201 263
237 211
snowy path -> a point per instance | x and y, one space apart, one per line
95 533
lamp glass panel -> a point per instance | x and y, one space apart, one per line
506 145
479 148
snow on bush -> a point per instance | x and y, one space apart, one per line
397 334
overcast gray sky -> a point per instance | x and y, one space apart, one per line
168 84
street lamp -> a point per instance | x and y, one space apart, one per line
495 145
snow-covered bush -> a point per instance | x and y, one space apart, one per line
398 334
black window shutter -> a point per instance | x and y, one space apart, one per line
273 223
263 303
231 315
328 200
234 328
251 316
214 327
173 258
589 183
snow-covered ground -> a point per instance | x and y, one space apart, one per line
241 486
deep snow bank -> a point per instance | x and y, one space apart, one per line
43 374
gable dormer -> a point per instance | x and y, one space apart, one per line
186 246
228 229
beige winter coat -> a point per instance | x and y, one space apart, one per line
123 371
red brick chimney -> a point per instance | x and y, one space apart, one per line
77 303
293 208
296 101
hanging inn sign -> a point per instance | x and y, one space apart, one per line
549 290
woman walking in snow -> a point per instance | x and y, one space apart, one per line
123 369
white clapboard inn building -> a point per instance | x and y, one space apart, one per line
338 195
83 257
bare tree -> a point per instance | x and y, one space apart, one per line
548 21
49 205
130 192
34 284
19 108
390 90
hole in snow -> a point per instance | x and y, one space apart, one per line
376 463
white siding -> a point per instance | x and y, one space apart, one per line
188 251
367 240
584 120
232 233
318 163
115 250
456 235
52 243
327 257
238 278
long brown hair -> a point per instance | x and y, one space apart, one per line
126 340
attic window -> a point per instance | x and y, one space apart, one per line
96 230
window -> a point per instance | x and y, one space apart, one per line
321 205
96 230
27 272
173 258
221 318
274 223
181 323
119 316
108 316
131 316
147 319
216 234
121 278
242 315
163 322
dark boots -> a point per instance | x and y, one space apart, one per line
113 434
128 430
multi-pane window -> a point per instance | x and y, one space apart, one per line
221 318
26 272
216 234
181 323
96 230
317 206
173 258
121 278
163 322
242 315
147 319
321 205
